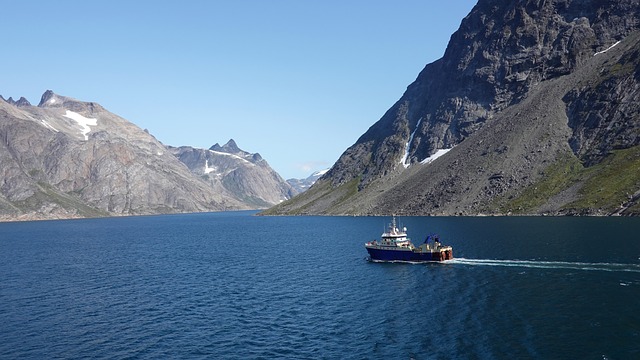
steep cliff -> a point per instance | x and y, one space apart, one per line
528 92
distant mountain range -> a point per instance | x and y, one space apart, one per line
533 109
68 158
302 185
229 169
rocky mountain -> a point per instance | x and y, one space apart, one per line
20 103
229 169
69 158
533 109
302 185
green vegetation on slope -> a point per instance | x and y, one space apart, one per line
559 176
604 186
611 182
320 193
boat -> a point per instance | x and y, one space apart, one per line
395 246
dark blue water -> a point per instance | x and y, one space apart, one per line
233 285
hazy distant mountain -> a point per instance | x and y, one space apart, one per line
302 185
229 169
20 103
69 158
533 109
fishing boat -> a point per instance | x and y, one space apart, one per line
394 245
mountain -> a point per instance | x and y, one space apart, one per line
533 109
20 103
246 176
68 158
302 185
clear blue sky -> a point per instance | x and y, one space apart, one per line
297 81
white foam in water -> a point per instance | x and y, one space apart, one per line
551 264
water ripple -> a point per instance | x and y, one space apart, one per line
235 286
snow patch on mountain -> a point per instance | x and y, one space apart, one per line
48 126
436 155
607 49
320 173
232 155
406 147
208 169
83 122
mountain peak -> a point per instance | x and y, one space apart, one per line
22 102
48 99
230 147
52 100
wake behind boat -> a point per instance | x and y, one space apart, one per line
396 246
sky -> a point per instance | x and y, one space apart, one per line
296 81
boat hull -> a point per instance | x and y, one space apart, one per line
377 254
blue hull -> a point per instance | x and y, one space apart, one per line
402 255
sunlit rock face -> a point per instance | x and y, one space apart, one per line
69 158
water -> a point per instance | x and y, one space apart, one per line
237 286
